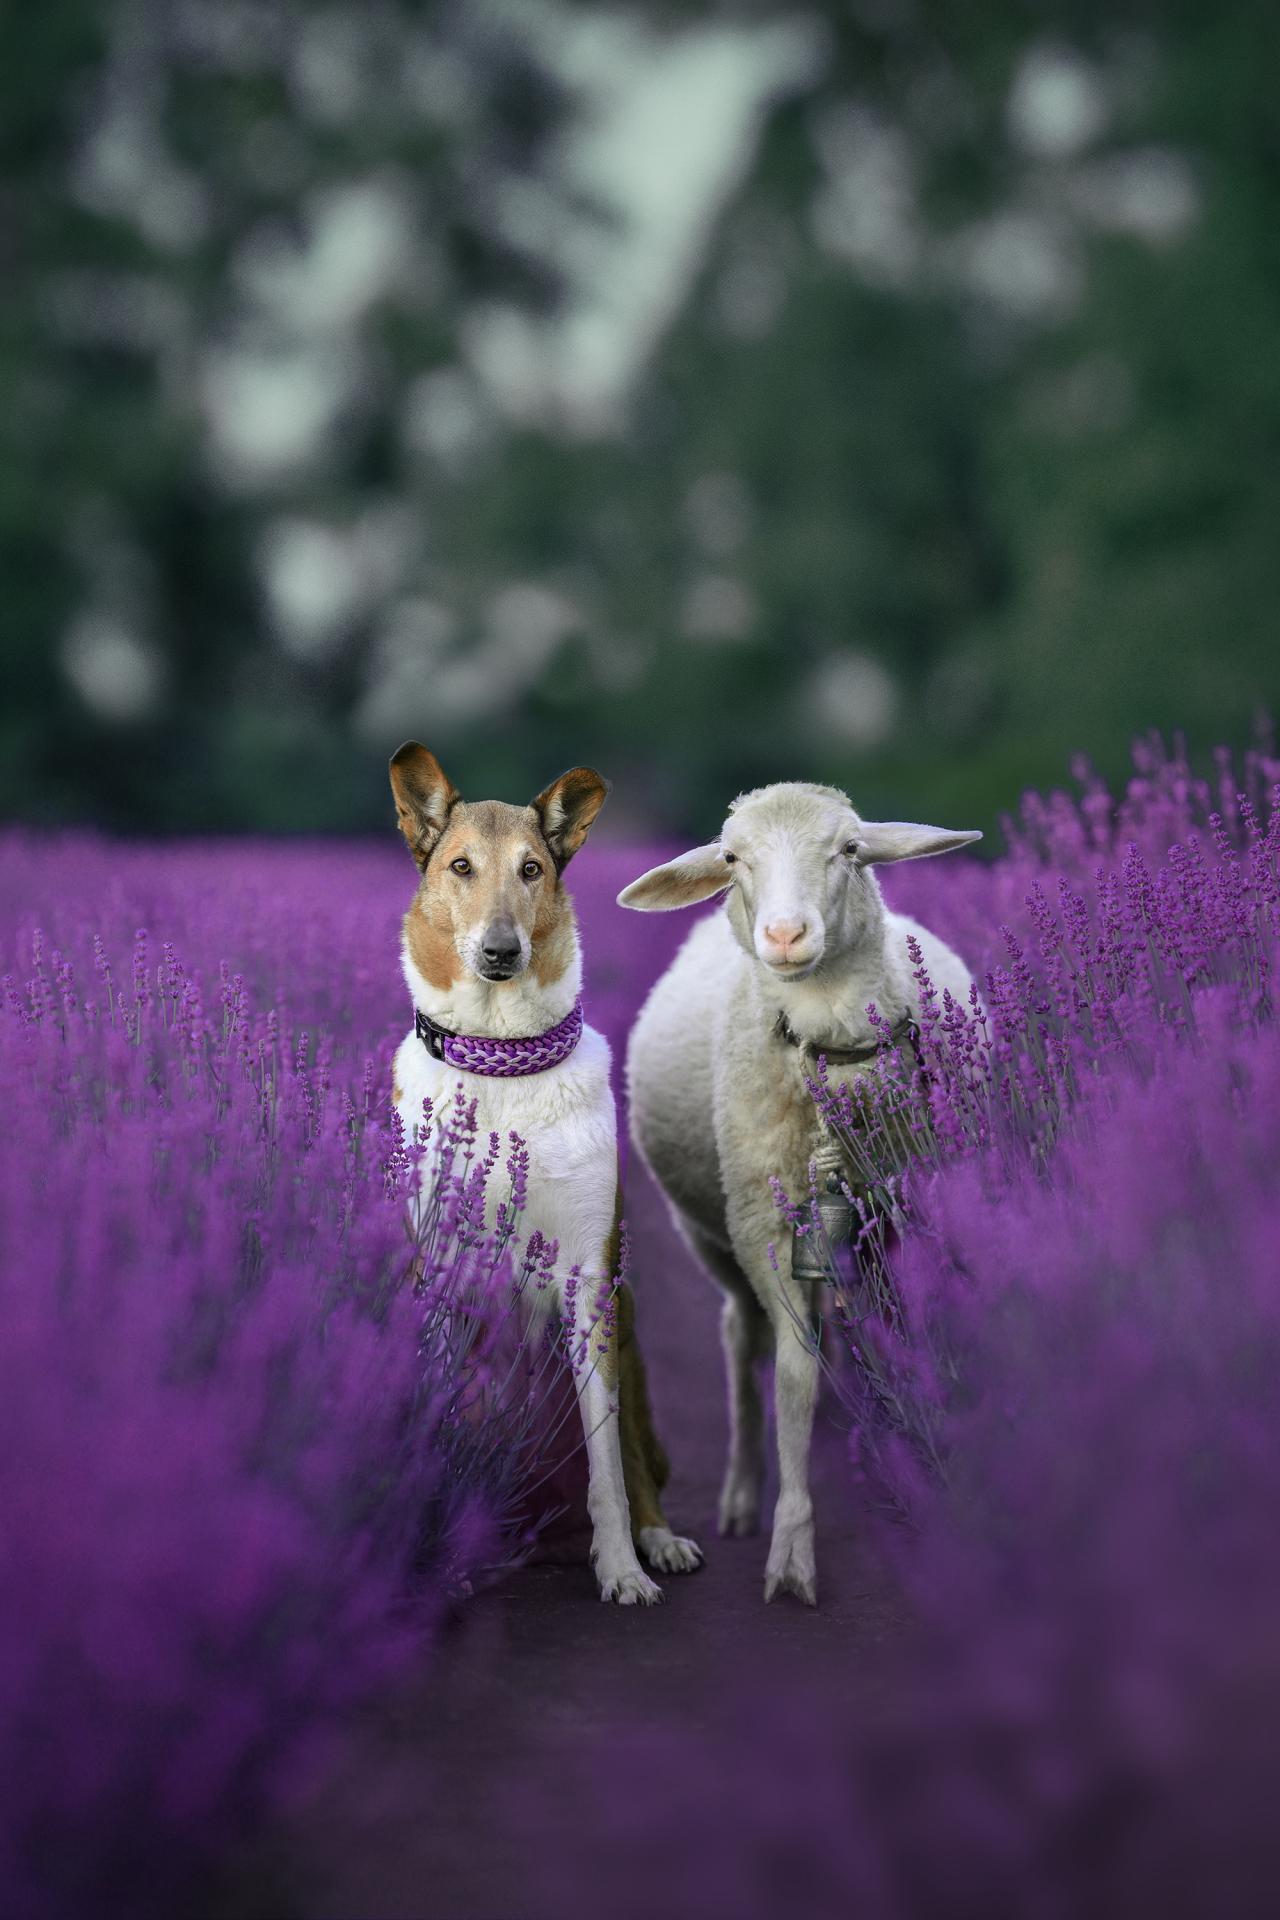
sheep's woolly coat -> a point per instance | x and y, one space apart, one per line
718 1096
718 1100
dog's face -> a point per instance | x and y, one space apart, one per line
488 879
490 903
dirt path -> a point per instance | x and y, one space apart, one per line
414 1825
538 1670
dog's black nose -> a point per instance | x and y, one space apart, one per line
501 944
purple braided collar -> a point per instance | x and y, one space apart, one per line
479 1053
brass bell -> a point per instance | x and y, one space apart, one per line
809 1256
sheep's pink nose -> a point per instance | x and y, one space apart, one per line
785 934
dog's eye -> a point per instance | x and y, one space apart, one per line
730 859
531 869
460 866
849 849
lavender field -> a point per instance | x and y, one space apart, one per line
255 1486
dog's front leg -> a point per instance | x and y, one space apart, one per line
595 1357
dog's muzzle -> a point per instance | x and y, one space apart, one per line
501 951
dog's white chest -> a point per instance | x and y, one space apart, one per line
565 1117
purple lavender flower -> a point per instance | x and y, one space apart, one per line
254 1434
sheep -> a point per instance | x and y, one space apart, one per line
716 1070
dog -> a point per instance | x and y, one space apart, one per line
491 955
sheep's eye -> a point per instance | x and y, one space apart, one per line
460 865
730 859
849 849
531 869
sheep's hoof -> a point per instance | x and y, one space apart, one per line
629 1587
739 1511
806 1590
791 1567
669 1552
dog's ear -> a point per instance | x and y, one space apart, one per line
425 796
682 882
567 809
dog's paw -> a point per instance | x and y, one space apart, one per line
669 1552
739 1509
791 1566
628 1586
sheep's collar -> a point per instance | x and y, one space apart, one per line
906 1029
485 1054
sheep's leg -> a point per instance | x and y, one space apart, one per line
791 1567
743 1332
788 1303
744 1335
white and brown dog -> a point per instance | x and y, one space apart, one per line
492 959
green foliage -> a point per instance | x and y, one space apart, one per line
957 453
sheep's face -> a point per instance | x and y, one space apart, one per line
798 889
795 860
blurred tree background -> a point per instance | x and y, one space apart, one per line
885 393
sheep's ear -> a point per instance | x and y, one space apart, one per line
880 841
567 809
680 883
425 797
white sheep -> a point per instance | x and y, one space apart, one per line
716 1071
